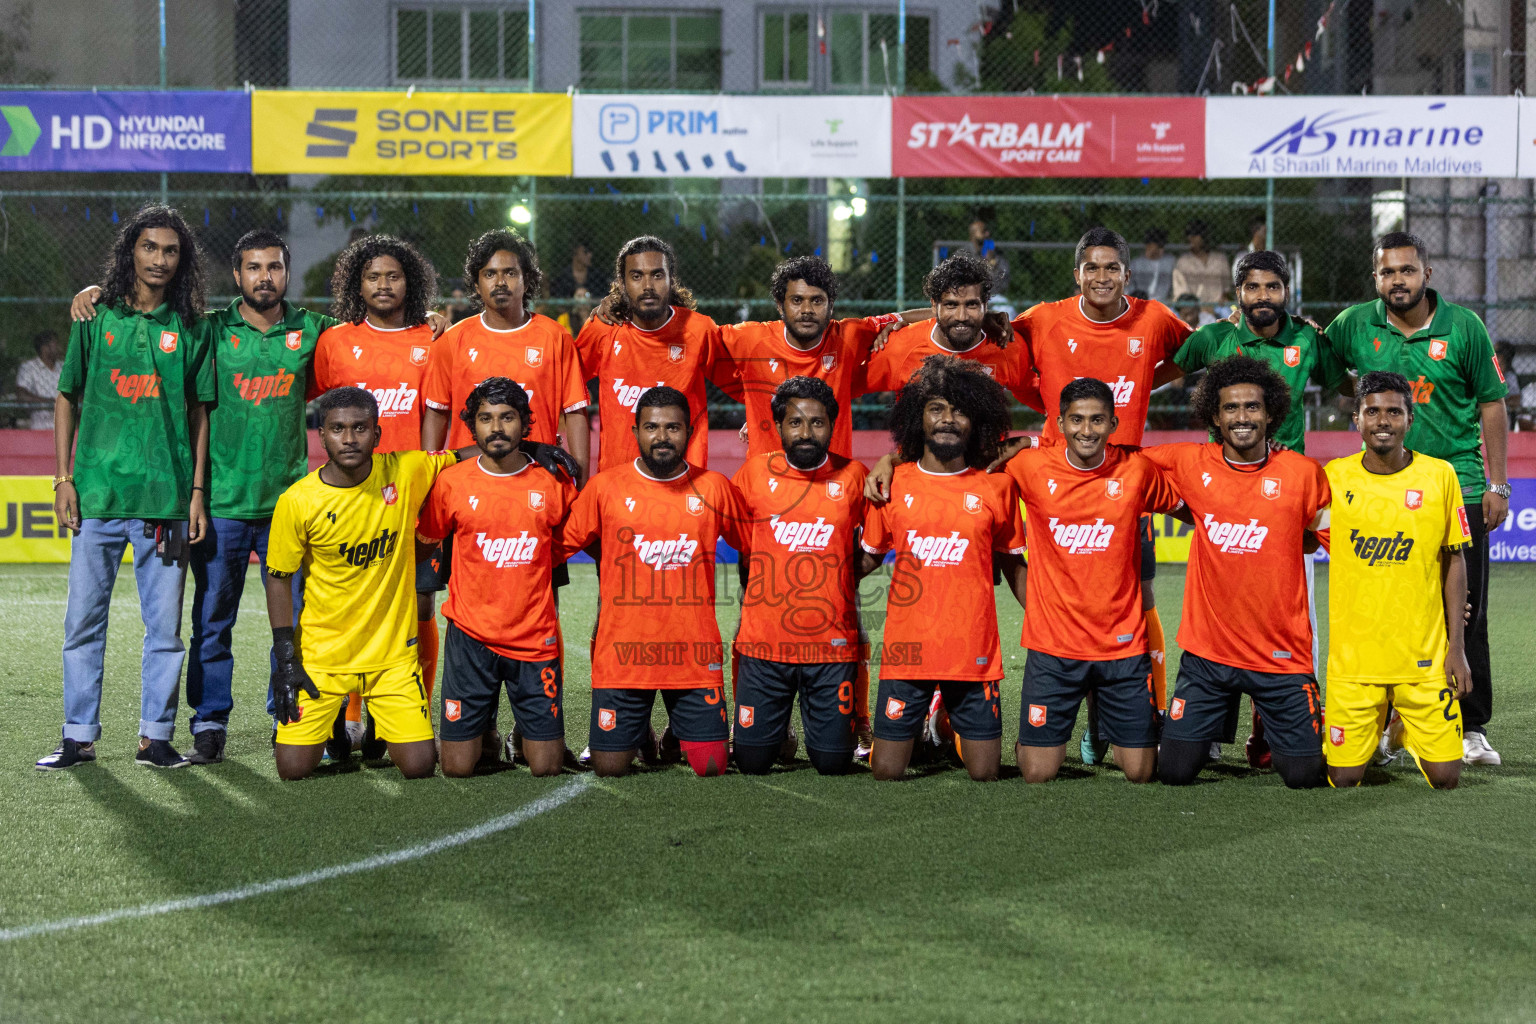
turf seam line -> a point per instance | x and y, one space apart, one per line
562 795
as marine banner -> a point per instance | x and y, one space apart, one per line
419 133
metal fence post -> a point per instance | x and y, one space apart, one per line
1269 183
901 183
533 70
165 179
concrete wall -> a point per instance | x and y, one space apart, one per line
116 42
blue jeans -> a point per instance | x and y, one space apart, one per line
95 555
219 566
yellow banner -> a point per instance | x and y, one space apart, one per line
424 133
1173 538
28 530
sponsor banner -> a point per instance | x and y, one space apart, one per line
125 131
1361 136
420 133
28 530
1048 137
1526 144
1515 539
658 136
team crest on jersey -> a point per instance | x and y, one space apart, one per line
894 708
1292 355
1336 735
1037 715
1414 499
452 709
606 719
1437 350
293 340
972 502
989 371
835 490
1133 347
1271 487
829 360
695 505
536 500
1176 709
390 494
675 353
418 355
745 714
1113 489
533 356
167 341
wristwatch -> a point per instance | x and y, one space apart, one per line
1502 490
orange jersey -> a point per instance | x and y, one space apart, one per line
504 528
1124 353
391 363
941 616
656 573
761 359
540 356
800 604
907 347
628 361
1081 529
1245 599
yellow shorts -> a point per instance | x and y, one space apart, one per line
396 700
1357 712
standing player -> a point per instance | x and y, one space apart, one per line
799 611
503 629
1397 590
1458 395
652 526
382 287
659 339
136 381
1295 349
350 526
1247 626
509 340
945 519
1083 625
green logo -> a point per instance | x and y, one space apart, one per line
24 131
833 124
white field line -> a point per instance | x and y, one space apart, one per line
564 794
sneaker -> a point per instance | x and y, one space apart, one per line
670 749
864 742
1215 752
160 754
207 747
585 757
1391 741
1257 751
1475 750
372 748
1091 748
355 734
790 747
69 754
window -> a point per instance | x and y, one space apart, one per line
461 44
651 50
786 39
863 50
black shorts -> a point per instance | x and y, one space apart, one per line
1054 688
620 716
433 571
1205 698
473 676
560 576
901 706
1148 549
765 692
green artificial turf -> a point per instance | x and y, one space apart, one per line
662 897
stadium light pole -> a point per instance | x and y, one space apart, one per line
901 183
165 179
1269 183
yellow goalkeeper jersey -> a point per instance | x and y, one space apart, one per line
1386 609
356 547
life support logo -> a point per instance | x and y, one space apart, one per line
1037 715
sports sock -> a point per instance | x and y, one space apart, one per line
861 688
706 759
426 652
1157 647
354 707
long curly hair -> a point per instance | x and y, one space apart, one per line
957 272
1235 370
503 240
186 293
963 383
347 278
680 296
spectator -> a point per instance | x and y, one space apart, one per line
581 281
458 306
1152 271
1187 306
1504 352
1201 272
38 379
986 248
1258 235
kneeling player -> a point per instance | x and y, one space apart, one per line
502 511
1397 586
350 526
944 520
799 617
1083 621
652 524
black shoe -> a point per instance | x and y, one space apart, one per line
373 748
160 754
69 754
207 747
339 747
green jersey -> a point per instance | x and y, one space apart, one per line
1450 365
133 375
1298 352
257 444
